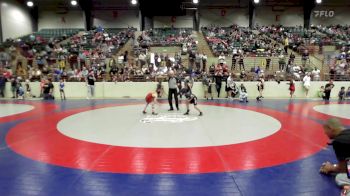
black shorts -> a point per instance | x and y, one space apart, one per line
229 89
194 101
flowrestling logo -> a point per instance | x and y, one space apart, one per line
324 13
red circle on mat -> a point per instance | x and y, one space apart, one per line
39 108
307 109
40 140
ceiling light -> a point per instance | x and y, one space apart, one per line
195 1
256 1
134 2
318 1
30 3
73 3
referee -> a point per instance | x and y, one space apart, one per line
172 83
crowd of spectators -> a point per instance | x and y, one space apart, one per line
336 32
229 39
166 37
70 61
91 51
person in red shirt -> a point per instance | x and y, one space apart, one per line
291 88
151 98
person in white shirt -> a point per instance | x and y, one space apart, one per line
222 58
316 74
243 94
231 88
307 83
142 59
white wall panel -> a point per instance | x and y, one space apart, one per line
15 20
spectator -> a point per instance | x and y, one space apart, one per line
321 93
218 79
291 58
304 57
328 89
14 87
231 88
340 140
20 91
268 62
347 95
222 58
62 93
341 94
159 89
204 62
241 63
242 75
260 86
48 90
20 71
198 59
28 89
291 88
212 70
91 85
206 81
243 94
297 71
2 85
125 57
142 59
316 74
307 83
286 44
234 60
281 62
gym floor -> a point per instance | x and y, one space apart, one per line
108 147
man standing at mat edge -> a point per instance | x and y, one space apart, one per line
172 83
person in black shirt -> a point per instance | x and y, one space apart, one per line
211 70
291 58
125 57
114 73
218 83
14 86
234 60
341 145
48 90
328 90
91 85
268 62
241 63
2 85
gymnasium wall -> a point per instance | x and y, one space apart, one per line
224 17
15 20
140 89
177 22
117 19
54 20
341 16
287 16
